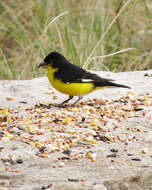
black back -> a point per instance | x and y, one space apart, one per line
68 72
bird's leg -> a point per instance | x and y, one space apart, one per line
80 97
65 101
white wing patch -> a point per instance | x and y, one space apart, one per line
86 80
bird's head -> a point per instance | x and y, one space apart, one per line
53 59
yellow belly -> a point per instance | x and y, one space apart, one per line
72 89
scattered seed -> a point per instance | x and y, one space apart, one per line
101 138
73 180
138 108
114 150
112 156
130 154
136 159
83 119
9 98
42 149
19 161
67 152
22 102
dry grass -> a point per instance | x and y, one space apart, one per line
30 29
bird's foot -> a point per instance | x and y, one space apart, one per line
48 106
63 105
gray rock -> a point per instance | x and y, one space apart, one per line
129 169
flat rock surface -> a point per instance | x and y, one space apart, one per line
103 143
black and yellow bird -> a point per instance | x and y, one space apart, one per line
71 79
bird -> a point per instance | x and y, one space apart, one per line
73 80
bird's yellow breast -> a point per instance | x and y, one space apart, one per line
72 89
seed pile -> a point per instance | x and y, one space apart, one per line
76 132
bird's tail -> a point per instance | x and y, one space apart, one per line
106 84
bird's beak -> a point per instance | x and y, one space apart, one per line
42 64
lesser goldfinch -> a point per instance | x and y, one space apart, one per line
71 79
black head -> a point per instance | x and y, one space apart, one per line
54 59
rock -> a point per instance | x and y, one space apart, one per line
130 139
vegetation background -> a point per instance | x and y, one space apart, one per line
30 29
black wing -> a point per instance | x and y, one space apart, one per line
73 73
